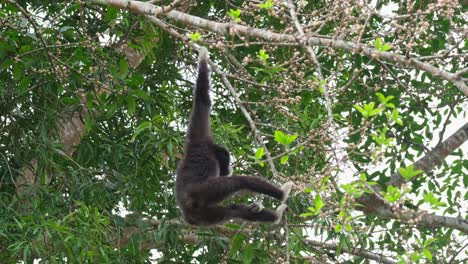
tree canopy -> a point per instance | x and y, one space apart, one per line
362 104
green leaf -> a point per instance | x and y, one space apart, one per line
196 36
368 110
24 85
381 138
131 105
232 226
88 123
141 95
70 100
247 254
318 202
380 46
284 139
235 14
236 243
267 5
24 49
383 99
123 64
140 128
393 194
409 172
284 159
280 137
6 64
307 214
428 254
65 28
378 43
432 200
111 14
259 153
395 117
363 177
338 228
18 72
359 108
386 47
263 56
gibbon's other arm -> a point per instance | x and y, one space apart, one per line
224 160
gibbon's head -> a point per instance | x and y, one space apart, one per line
203 55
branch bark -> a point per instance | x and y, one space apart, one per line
237 29
355 251
147 243
375 205
436 156
370 204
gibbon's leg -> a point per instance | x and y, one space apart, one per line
286 188
218 214
214 190
199 127
279 212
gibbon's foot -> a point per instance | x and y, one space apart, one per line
279 212
286 188
256 207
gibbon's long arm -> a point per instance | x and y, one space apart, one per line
199 128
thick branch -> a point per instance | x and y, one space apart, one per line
375 205
436 156
236 29
355 251
146 242
370 204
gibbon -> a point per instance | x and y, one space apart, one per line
203 176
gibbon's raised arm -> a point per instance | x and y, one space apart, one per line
199 128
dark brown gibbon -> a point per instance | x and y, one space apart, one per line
203 176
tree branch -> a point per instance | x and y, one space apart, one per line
355 251
237 29
436 156
371 204
375 205
135 226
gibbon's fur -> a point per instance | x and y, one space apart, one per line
203 175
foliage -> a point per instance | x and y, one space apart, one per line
94 102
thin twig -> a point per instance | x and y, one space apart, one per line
36 32
325 87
